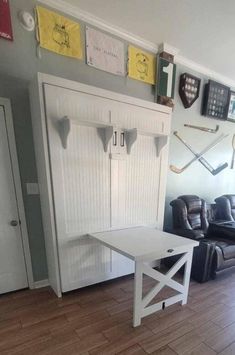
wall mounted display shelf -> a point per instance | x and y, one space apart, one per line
189 89
132 135
106 132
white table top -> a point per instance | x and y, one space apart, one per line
144 243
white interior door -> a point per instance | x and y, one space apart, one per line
12 262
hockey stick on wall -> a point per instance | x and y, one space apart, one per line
233 155
202 160
204 129
204 151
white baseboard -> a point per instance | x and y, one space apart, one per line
41 283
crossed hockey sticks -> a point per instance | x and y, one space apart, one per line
199 156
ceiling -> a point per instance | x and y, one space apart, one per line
203 31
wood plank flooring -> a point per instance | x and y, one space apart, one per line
98 320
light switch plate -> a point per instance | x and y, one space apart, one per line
32 188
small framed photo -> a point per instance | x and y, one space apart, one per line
231 107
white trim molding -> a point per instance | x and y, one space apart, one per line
204 70
165 47
18 189
41 283
88 18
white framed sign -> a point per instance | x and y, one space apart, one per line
104 52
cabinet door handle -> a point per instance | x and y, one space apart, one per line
115 138
122 142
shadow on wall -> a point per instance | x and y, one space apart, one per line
17 91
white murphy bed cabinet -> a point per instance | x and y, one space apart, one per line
102 164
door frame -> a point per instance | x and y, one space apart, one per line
6 105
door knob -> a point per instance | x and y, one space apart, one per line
14 223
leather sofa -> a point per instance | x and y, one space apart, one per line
214 253
225 207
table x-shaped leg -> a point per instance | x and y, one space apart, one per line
141 308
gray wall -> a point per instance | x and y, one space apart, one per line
17 91
19 64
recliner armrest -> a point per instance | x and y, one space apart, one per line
189 233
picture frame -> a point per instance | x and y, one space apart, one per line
189 89
231 107
215 100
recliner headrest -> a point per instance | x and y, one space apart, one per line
231 199
193 203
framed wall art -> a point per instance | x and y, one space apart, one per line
166 78
189 88
104 52
215 100
59 34
231 107
141 65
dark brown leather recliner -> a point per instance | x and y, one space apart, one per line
214 253
225 207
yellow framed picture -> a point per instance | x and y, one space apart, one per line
59 34
141 65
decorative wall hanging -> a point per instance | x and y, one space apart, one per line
165 79
141 65
231 107
202 160
5 20
104 52
177 170
189 88
215 101
59 34
204 129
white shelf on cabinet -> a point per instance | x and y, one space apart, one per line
131 136
104 130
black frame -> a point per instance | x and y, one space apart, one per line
182 88
231 98
215 100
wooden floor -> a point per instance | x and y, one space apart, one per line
98 320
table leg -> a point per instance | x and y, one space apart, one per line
187 273
138 290
141 304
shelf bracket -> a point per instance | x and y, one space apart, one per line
105 134
160 143
64 127
130 137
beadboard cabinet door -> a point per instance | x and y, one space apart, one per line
81 178
81 187
135 176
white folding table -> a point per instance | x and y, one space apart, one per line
144 245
